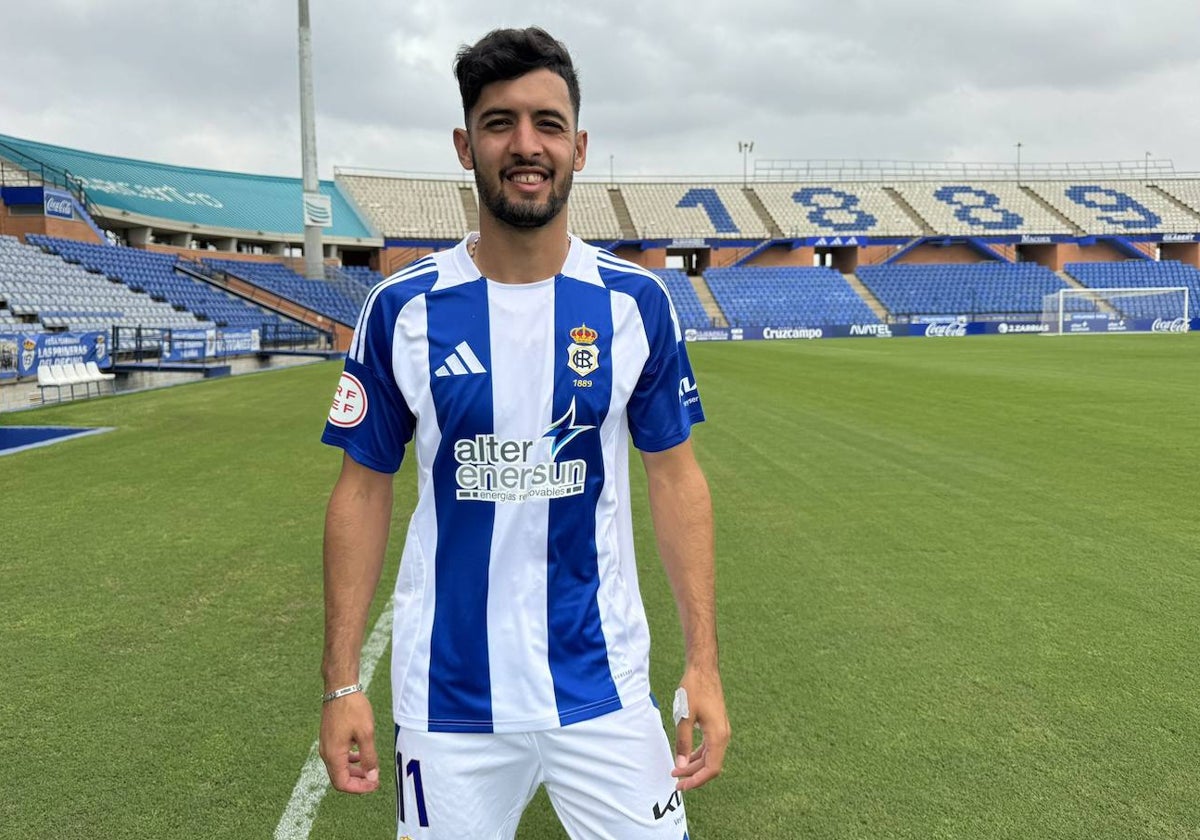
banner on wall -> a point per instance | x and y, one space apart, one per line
1105 324
942 328
188 345
197 345
21 355
790 333
10 352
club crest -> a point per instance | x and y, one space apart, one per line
28 353
583 356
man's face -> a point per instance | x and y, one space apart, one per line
522 143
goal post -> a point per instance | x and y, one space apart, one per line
1119 310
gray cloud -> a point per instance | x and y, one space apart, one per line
669 87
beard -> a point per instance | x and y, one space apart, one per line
523 214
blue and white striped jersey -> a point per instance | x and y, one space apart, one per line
517 605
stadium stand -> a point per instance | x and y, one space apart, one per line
365 277
992 288
834 209
688 307
409 207
156 275
1185 191
787 297
413 208
360 279
13 174
685 211
1139 274
350 287
592 214
980 208
35 284
318 295
844 213
1116 207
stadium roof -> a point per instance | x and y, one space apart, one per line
203 197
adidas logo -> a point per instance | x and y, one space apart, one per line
461 362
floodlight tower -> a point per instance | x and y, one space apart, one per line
745 147
316 208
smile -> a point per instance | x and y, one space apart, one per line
527 177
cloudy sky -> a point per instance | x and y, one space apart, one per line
669 86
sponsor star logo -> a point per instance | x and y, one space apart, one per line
563 430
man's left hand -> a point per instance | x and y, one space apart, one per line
706 712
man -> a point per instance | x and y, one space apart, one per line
520 363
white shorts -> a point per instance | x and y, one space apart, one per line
609 778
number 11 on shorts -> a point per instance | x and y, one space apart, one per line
413 771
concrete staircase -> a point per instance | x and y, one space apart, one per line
1182 205
761 209
1101 304
867 296
628 231
1051 209
916 218
1069 280
470 207
710 303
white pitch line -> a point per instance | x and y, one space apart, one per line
297 819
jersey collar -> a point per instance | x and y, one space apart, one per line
571 266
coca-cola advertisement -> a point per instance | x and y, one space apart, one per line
57 204
1169 325
948 328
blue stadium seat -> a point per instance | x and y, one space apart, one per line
787 296
156 275
992 288
318 295
1140 274
688 307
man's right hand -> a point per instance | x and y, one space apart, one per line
348 743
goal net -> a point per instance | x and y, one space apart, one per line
1087 311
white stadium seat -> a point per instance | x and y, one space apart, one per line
47 378
83 375
101 376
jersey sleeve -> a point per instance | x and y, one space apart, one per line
666 402
369 417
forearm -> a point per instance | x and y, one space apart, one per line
683 523
356 531
681 508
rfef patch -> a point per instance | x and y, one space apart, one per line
349 402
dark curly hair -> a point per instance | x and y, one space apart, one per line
505 54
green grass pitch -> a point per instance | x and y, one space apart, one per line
959 596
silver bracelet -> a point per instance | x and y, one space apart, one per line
341 692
